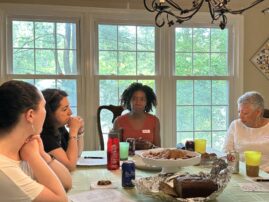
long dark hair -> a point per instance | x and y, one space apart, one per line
16 97
53 98
128 93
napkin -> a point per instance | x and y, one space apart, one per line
254 187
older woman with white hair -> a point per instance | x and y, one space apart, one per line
251 130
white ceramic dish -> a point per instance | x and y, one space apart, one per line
141 165
171 165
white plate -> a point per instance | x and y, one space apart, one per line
140 164
171 165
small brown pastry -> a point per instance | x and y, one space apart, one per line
103 182
194 186
208 156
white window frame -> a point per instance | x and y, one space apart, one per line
87 86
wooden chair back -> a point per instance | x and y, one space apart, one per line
116 111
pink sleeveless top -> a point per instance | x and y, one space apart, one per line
147 132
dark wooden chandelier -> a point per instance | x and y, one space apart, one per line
170 11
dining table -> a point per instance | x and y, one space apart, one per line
86 175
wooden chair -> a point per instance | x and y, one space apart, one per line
116 110
266 113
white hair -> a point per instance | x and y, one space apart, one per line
253 98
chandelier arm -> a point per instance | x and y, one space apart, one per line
240 11
187 16
217 9
156 19
223 23
153 7
174 5
213 14
194 8
181 18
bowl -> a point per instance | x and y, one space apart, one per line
141 165
168 163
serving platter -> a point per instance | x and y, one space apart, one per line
170 165
220 173
141 165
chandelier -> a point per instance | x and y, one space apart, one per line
176 13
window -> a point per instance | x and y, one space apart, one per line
126 54
44 53
202 86
94 54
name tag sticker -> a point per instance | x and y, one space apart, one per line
146 131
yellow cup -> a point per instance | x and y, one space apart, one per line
200 145
253 160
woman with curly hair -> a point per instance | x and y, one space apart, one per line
138 123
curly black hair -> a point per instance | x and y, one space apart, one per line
128 93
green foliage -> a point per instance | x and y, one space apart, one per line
126 50
183 65
127 63
145 63
127 38
202 107
35 50
145 38
185 118
23 61
184 90
50 48
201 52
202 92
183 40
201 40
107 37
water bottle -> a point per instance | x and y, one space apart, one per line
113 150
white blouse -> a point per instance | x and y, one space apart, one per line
242 138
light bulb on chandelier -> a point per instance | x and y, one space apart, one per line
176 13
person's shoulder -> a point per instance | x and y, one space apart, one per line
236 122
152 119
152 116
122 117
6 162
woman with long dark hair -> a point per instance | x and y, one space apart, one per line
65 146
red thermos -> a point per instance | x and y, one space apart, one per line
113 151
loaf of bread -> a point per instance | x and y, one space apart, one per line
194 186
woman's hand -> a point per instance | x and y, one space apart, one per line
81 130
30 150
75 124
41 146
